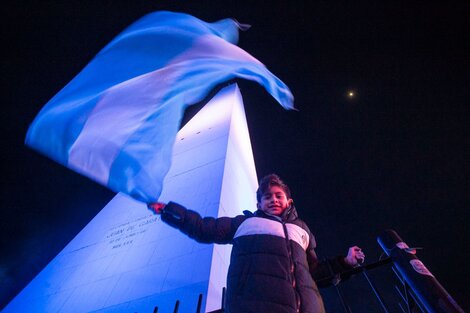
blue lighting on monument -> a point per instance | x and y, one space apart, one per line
127 260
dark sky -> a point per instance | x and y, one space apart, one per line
394 157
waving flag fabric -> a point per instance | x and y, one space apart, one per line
117 120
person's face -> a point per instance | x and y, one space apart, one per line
274 201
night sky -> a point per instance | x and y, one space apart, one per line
395 156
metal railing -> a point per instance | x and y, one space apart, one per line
418 289
199 304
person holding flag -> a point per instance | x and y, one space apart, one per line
274 267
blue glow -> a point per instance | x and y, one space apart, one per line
127 260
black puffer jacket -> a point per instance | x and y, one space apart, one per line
272 263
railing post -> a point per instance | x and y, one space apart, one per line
423 283
177 305
375 290
222 304
199 303
346 307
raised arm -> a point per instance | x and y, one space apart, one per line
327 272
205 230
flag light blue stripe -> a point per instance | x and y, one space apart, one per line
116 121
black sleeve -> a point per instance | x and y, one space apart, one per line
325 272
206 230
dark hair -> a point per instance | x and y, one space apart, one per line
267 182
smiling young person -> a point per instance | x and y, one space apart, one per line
273 263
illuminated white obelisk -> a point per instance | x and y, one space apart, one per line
127 260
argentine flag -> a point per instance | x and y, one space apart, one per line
117 120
